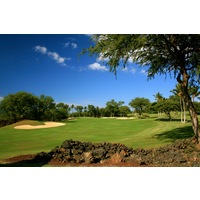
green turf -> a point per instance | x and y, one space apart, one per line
136 133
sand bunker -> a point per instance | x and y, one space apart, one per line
125 118
47 125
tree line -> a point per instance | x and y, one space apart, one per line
112 109
24 105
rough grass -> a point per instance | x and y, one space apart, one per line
136 133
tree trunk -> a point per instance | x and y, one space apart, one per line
184 111
181 105
188 101
194 119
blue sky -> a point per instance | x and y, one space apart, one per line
50 64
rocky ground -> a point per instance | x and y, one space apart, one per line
182 153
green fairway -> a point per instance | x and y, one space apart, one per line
136 133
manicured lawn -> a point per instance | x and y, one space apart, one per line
136 133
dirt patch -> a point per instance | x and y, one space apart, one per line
46 125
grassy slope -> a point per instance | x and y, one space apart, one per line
28 122
136 133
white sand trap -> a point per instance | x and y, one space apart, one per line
108 117
47 125
125 118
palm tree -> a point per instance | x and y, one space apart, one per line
85 110
72 109
177 91
194 92
159 98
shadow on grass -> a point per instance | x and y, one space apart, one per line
70 121
167 120
178 133
25 163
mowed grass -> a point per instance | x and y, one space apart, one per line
135 133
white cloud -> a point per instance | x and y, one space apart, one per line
125 69
53 55
133 70
143 72
97 66
56 57
89 35
66 44
129 70
130 60
40 49
74 45
101 58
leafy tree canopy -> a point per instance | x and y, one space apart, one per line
162 53
177 55
140 104
24 105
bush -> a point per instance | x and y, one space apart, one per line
5 122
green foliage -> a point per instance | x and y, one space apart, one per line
91 111
19 106
161 52
197 107
113 107
79 110
61 111
140 105
167 106
194 91
23 105
158 97
46 108
124 111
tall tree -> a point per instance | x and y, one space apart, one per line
194 91
91 111
163 54
46 108
62 111
177 91
85 110
159 98
167 106
72 109
19 106
140 105
113 107
79 110
124 111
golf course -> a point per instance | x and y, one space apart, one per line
135 133
83 115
